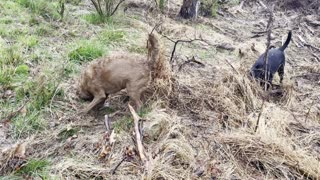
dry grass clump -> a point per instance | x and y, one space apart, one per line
193 92
271 158
171 153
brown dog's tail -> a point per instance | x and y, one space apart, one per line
285 45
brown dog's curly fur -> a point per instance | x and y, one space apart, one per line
121 71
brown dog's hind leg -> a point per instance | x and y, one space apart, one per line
135 92
98 98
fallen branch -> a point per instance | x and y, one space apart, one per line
259 32
313 47
136 119
304 43
225 47
192 60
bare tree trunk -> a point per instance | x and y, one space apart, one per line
189 9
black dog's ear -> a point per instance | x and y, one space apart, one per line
272 47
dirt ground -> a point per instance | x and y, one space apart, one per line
205 127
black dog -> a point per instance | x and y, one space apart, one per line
276 62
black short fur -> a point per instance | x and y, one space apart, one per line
276 63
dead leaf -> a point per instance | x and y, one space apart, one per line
112 138
105 151
74 136
20 150
23 111
69 127
130 152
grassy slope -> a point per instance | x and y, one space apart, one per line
41 57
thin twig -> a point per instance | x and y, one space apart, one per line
269 30
235 70
115 9
192 60
155 27
15 113
307 115
176 43
117 166
258 121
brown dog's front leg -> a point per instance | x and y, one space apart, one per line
97 99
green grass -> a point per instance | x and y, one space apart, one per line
43 30
137 49
10 58
67 132
161 4
30 124
29 41
86 51
108 36
123 124
74 2
126 123
94 18
6 74
45 8
209 7
144 111
35 168
22 70
89 50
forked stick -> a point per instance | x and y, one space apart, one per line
136 119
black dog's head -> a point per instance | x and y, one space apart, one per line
257 72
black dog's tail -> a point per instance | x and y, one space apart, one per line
287 42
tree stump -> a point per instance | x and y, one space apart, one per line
189 9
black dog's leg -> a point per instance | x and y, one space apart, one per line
281 72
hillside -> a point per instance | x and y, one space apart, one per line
201 126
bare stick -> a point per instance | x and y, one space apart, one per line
155 27
258 121
95 4
117 166
176 43
269 30
263 5
235 70
107 123
115 9
136 119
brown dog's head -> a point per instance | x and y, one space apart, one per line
82 90
83 94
